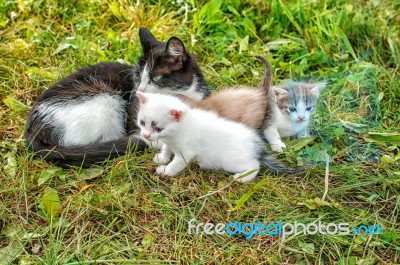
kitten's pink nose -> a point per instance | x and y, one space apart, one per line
301 117
146 135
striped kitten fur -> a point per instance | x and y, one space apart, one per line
294 107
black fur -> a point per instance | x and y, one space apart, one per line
176 71
116 79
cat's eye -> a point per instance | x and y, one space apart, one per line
158 129
309 108
292 109
142 122
157 78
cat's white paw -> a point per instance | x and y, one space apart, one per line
160 170
278 147
240 178
164 170
244 177
301 134
160 159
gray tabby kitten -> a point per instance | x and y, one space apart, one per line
293 109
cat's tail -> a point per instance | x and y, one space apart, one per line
266 82
86 155
276 166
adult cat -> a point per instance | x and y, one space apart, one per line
89 116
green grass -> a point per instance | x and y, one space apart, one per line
122 213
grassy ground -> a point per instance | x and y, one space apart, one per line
121 212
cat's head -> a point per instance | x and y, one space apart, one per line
168 68
297 100
159 115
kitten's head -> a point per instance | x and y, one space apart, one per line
298 100
168 68
159 115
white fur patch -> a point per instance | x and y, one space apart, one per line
97 119
173 51
149 87
285 124
144 79
191 92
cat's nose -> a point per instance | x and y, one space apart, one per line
146 135
301 117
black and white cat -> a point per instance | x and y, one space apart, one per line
89 116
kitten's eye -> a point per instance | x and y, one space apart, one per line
157 78
292 109
142 122
309 108
158 129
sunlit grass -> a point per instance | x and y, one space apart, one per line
121 212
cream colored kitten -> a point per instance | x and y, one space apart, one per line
278 111
247 105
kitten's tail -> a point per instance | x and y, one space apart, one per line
266 82
87 155
273 164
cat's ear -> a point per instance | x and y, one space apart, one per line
278 91
175 52
176 114
147 39
142 97
317 88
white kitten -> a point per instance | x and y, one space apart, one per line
194 134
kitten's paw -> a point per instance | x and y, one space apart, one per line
160 170
160 159
301 135
278 147
164 170
246 176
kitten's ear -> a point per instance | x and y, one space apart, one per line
147 39
175 52
176 114
278 91
317 88
142 97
